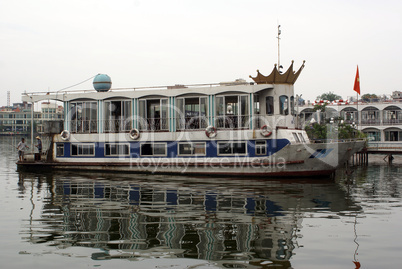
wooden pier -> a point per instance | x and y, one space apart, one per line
389 149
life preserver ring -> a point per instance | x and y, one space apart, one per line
65 135
211 132
266 131
134 134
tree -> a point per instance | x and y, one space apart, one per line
335 130
369 97
330 96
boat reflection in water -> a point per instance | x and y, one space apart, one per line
229 222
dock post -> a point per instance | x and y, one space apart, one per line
390 158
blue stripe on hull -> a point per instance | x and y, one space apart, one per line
273 146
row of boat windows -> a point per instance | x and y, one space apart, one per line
232 111
160 149
189 107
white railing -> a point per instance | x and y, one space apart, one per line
158 124
397 146
232 122
153 124
117 126
192 123
83 126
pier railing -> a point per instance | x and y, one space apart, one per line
384 146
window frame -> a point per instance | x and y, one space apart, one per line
153 149
269 105
59 146
296 137
284 105
231 147
192 148
92 145
261 147
118 152
302 139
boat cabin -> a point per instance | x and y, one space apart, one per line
238 105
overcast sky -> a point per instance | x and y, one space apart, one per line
51 44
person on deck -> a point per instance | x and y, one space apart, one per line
21 149
39 145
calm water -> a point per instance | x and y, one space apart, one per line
88 220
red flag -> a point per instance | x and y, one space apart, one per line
356 87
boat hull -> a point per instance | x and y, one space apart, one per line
293 160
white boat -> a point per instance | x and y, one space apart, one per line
231 128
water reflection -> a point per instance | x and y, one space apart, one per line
236 223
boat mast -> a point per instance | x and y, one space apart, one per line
279 61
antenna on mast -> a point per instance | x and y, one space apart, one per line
279 58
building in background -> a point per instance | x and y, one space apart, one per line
16 119
381 120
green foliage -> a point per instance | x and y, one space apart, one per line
370 97
320 107
316 131
333 131
330 96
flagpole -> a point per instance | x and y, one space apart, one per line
357 107
356 88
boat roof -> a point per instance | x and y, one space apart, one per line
143 92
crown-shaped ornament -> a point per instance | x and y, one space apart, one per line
289 77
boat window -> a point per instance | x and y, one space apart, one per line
117 116
260 147
153 114
292 105
82 149
82 117
141 123
244 111
164 114
269 105
203 112
256 109
232 111
117 149
59 149
192 113
219 106
197 148
180 121
302 138
153 149
283 105
159 149
256 104
231 148
296 137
